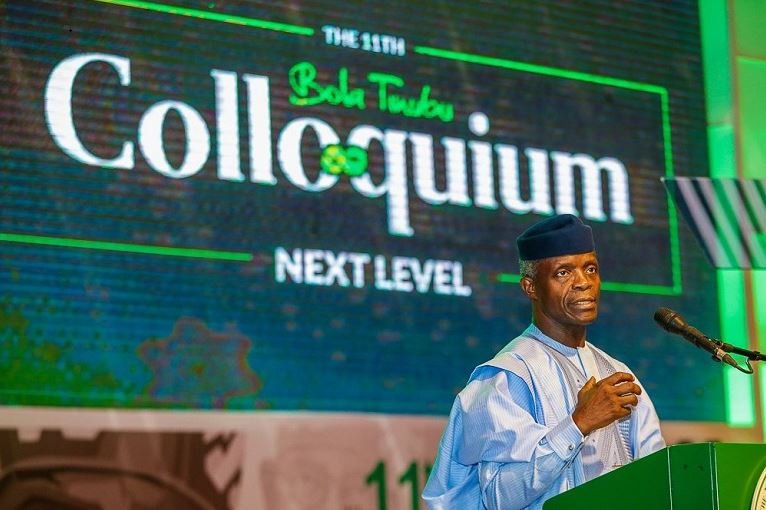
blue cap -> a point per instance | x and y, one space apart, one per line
564 234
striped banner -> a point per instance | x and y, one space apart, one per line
728 216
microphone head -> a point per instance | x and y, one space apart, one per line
669 320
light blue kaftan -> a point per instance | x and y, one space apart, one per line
511 443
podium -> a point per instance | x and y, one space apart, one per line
701 476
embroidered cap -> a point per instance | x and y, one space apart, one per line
564 234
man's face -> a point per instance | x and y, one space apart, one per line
566 289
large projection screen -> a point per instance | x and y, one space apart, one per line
312 206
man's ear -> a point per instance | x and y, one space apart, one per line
528 286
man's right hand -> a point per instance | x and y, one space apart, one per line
600 403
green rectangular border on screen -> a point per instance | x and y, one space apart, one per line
637 288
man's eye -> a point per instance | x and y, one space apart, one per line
592 269
562 273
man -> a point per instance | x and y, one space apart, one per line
550 411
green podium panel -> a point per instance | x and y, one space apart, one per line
699 476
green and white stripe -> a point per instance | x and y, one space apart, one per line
728 217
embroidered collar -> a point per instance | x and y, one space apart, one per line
534 332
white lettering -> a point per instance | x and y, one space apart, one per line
312 267
510 192
289 153
393 184
442 277
358 261
590 171
381 275
425 176
227 125
483 178
285 264
335 271
197 139
423 277
400 274
58 109
457 278
259 128
408 274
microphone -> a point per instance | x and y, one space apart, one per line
672 322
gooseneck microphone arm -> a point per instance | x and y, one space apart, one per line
751 355
672 322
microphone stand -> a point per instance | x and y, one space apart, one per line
749 355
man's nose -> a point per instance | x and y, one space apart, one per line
581 280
